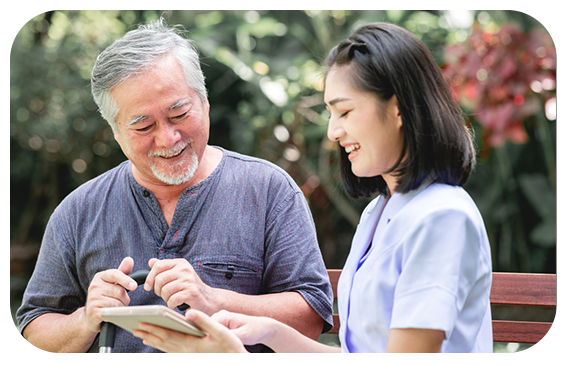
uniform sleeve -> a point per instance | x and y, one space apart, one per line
293 257
439 264
53 287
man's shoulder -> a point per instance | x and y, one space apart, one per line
256 168
100 186
236 157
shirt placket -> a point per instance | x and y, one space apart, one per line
154 217
183 218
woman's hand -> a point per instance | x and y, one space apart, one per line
218 338
251 330
279 337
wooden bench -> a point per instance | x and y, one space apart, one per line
507 289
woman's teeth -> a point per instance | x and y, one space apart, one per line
352 147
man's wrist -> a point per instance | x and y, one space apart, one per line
217 300
83 323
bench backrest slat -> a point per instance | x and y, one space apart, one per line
519 331
524 289
507 289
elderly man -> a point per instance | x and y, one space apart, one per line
219 230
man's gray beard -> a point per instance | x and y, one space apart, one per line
178 178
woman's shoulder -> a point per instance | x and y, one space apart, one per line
439 199
449 196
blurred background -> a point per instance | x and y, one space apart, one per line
265 82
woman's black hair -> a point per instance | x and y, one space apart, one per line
388 60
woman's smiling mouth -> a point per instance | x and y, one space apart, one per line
352 147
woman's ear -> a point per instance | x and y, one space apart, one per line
394 107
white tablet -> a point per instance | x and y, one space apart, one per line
130 318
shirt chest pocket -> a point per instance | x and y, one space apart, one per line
240 275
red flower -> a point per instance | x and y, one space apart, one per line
500 76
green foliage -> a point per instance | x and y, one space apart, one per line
265 81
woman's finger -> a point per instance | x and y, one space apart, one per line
205 322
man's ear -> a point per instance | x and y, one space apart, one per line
207 105
116 134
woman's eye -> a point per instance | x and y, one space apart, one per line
340 115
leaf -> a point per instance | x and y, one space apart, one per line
540 194
545 233
543 198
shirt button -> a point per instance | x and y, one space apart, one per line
228 275
146 193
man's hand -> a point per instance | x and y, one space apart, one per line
107 289
176 282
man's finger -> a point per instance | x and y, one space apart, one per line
120 276
126 265
157 266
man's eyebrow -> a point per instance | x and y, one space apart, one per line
178 105
136 120
334 101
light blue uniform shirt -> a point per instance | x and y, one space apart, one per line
429 267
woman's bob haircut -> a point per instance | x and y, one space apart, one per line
388 60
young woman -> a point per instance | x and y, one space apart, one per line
418 275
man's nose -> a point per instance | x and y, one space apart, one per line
167 134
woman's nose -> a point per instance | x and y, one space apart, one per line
335 131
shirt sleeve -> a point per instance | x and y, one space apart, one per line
53 288
439 264
293 257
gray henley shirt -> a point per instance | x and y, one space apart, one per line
247 228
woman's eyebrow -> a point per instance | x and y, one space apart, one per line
336 100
